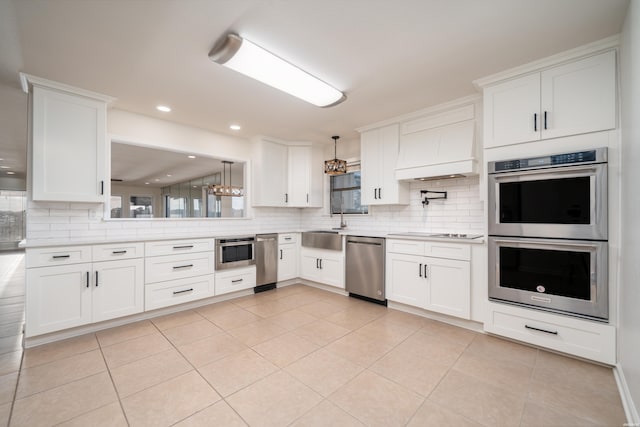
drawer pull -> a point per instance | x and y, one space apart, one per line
182 266
287 238
181 292
183 247
119 252
237 281
61 256
541 330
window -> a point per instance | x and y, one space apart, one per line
345 194
176 207
141 207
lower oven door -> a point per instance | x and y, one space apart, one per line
567 276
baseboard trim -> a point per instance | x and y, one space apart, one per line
630 410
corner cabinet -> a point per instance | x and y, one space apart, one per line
286 175
67 129
569 99
379 153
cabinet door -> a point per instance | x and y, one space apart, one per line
579 97
449 289
369 166
68 147
287 262
299 176
390 191
309 265
118 289
332 271
405 281
509 110
270 175
57 298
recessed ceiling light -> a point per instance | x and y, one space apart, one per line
191 157
169 174
157 179
163 108
11 173
195 186
146 183
235 127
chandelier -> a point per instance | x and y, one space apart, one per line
224 189
335 166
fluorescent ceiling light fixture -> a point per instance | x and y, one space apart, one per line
253 61
235 127
5 167
163 108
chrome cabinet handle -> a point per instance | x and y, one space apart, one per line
183 247
181 292
182 266
541 330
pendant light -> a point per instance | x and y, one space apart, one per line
335 166
224 189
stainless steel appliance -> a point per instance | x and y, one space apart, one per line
568 276
548 233
232 252
266 262
562 195
365 267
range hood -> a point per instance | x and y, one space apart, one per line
438 146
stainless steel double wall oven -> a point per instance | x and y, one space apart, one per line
548 233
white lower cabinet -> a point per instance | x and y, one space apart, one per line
322 266
287 256
165 294
583 338
67 296
236 279
434 283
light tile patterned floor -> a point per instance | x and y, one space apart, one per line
305 357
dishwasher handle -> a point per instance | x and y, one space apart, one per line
356 242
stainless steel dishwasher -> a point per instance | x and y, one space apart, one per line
266 262
365 267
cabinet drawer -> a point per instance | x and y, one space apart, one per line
62 255
171 267
283 239
447 250
164 294
170 247
582 338
409 247
118 251
235 280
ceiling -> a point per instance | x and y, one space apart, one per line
390 57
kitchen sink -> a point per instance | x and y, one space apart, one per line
322 239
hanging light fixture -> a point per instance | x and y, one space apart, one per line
249 59
335 166
223 189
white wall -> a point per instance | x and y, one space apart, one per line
629 331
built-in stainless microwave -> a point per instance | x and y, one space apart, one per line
557 196
234 252
565 276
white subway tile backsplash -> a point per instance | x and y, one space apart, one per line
68 212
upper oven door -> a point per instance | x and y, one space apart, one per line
563 202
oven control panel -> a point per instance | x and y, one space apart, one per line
553 160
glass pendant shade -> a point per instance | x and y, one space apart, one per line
335 166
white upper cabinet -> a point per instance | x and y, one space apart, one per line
68 137
287 176
574 98
379 153
270 177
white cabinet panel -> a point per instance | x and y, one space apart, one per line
178 247
235 280
118 289
270 175
579 97
410 247
379 154
58 298
165 294
287 262
322 266
68 138
171 267
53 256
118 251
405 282
449 289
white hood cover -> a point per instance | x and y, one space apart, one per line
438 146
